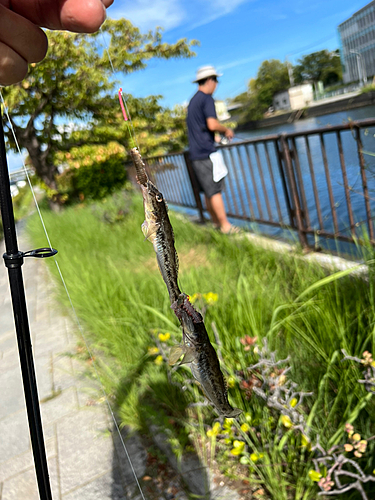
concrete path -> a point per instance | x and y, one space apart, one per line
84 460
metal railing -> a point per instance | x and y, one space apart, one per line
316 182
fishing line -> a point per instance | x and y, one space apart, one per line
123 103
69 297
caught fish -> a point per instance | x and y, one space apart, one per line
196 346
198 351
157 228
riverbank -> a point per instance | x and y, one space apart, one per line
335 104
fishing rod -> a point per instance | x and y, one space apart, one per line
13 260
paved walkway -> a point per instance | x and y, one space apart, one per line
84 461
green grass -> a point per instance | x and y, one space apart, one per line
122 302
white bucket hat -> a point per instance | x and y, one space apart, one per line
205 72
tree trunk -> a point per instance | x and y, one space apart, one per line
43 168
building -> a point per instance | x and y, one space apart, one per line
357 45
297 97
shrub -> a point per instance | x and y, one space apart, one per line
92 172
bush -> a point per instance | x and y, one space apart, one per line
93 172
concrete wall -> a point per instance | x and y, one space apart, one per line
359 101
281 101
301 96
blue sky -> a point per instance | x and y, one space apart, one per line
235 36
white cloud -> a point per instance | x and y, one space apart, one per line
147 14
239 62
214 9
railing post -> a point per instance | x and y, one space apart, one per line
194 185
362 166
279 154
298 214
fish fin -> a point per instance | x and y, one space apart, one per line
196 374
149 230
177 262
233 413
175 354
189 357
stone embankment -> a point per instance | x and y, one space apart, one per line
335 104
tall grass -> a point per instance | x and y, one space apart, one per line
122 301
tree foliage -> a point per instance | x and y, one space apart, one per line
70 99
272 77
324 66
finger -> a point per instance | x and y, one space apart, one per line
13 67
73 15
82 17
22 36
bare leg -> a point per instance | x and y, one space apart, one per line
214 219
218 212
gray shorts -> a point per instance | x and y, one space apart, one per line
203 170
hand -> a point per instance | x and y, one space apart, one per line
23 42
229 134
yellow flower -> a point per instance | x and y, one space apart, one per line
293 402
228 424
285 420
314 475
215 430
164 336
356 437
193 298
305 441
158 360
238 447
348 447
245 427
210 298
153 350
256 456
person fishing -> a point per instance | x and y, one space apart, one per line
23 42
202 124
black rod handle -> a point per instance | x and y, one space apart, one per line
22 326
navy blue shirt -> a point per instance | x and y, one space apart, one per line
201 140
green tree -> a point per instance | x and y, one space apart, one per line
272 77
69 100
322 66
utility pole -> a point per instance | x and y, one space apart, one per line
290 71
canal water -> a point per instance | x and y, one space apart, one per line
353 174
235 192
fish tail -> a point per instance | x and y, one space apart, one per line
233 413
